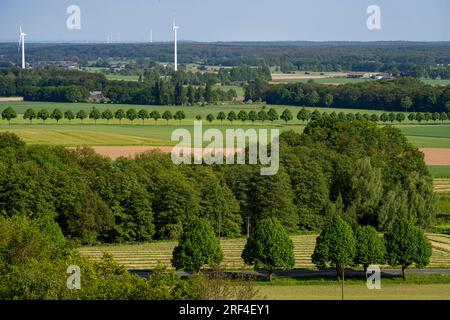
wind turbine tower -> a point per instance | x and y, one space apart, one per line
22 45
175 30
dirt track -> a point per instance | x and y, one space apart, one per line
433 156
131 152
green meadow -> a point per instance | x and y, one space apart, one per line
149 133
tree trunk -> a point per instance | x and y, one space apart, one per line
403 273
270 276
343 272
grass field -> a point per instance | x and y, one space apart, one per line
115 134
439 172
356 291
150 255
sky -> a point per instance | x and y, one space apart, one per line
225 20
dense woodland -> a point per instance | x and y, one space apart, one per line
414 59
403 94
354 169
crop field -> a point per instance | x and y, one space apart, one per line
356 291
115 133
331 81
159 253
440 172
442 185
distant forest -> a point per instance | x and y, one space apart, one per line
414 59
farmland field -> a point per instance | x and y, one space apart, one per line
439 171
357 291
150 255
114 133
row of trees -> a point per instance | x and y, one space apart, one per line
403 94
271 115
338 246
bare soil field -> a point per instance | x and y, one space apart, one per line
433 156
437 156
134 151
11 99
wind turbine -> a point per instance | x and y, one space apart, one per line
175 30
151 35
22 45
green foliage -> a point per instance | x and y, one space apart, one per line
269 247
406 245
8 114
29 114
197 247
336 246
370 248
56 115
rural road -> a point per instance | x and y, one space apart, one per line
321 273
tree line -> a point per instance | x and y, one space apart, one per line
403 94
338 246
409 59
252 116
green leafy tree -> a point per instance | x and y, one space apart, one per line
155 115
316 115
143 115
167 115
29 114
191 95
107 115
420 117
335 246
303 115
435 116
242 115
43 115
231 116
269 247
286 116
179 115
328 100
262 116
400 117
69 115
81 115
8 114
384 117
221 116
210 118
120 115
198 246
405 245
374 117
252 116
406 103
313 98
412 116
370 247
198 117
132 115
56 115
95 114
272 115
443 116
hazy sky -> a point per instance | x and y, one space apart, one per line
226 20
